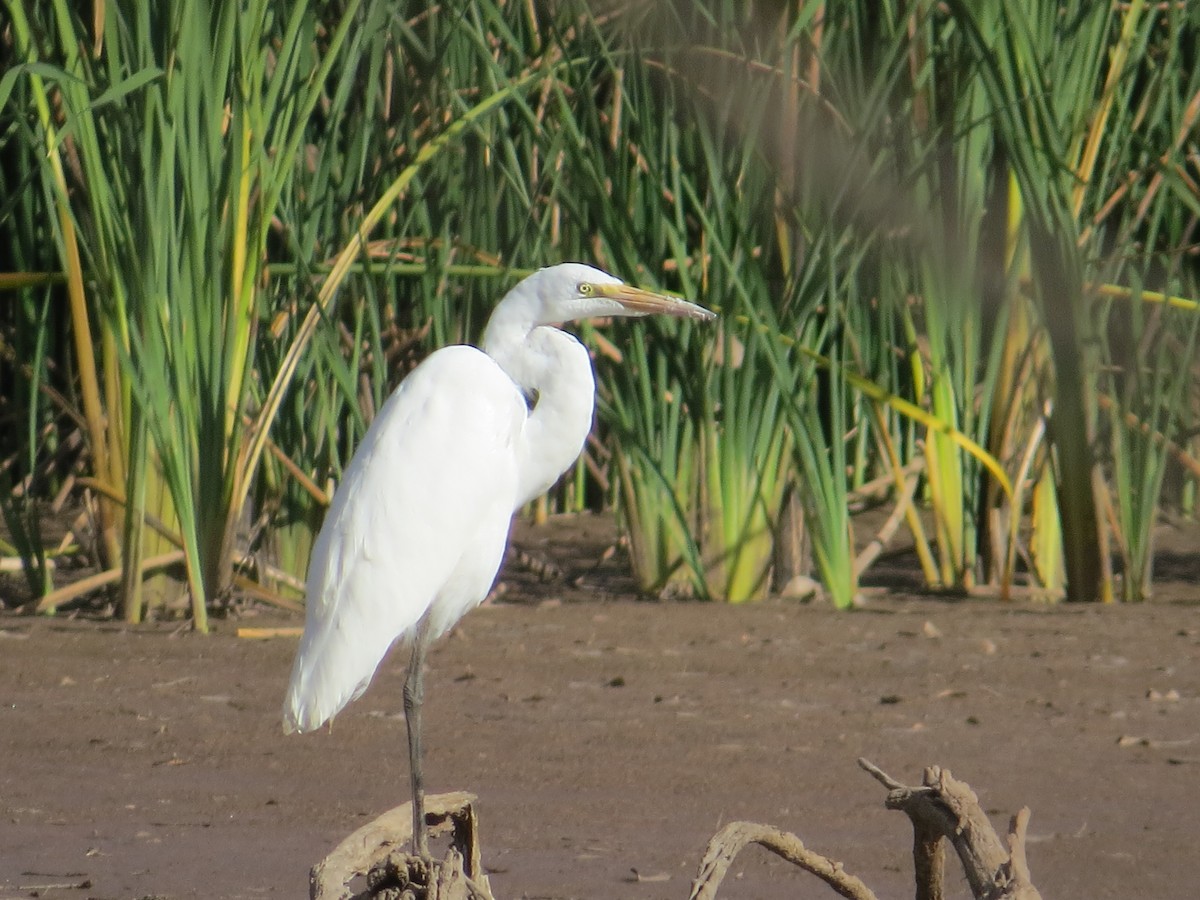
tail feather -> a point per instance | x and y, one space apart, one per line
330 671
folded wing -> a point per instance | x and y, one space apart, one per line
416 531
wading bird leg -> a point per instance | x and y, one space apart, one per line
414 695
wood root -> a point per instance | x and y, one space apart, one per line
941 808
944 807
735 836
378 851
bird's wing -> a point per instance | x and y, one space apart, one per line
419 521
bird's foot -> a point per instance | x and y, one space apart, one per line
401 875
411 877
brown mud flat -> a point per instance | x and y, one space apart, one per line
608 739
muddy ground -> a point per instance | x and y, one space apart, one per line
608 739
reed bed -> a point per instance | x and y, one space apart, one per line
953 247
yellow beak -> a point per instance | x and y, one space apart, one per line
640 302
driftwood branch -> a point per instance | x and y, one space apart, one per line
944 807
733 838
940 809
377 851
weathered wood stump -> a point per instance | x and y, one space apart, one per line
378 852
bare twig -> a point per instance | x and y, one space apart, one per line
77 589
733 838
871 552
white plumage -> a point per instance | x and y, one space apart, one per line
399 544
418 526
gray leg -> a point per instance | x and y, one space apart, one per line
414 695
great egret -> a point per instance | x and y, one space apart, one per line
417 529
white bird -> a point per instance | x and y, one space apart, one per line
417 528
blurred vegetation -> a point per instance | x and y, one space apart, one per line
953 244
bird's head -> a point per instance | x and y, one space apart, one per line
572 291
569 292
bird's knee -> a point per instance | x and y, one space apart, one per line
413 695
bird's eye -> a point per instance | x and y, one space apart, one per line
584 288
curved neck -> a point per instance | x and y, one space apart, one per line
553 370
